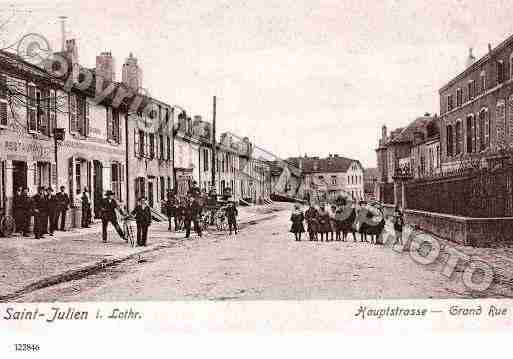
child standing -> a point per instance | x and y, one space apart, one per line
398 225
297 219
231 215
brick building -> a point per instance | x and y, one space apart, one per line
476 108
414 150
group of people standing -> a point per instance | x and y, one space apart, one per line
338 221
46 207
187 211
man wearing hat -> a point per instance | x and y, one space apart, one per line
63 203
108 211
39 208
51 204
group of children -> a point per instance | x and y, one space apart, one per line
321 223
338 222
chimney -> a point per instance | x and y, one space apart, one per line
105 71
71 51
489 48
132 73
470 59
383 133
63 32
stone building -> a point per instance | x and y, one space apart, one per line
92 154
414 151
476 108
327 178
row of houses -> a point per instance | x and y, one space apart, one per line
62 124
83 129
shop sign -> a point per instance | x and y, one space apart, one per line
33 150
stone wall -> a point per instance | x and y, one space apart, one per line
476 232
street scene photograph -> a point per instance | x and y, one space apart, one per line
243 150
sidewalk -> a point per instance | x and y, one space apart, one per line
28 264
500 258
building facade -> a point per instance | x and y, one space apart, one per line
327 178
34 104
476 108
407 153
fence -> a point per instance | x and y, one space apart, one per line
479 193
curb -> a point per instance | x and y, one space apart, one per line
89 268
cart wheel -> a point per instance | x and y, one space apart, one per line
6 226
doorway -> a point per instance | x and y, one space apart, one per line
19 175
97 187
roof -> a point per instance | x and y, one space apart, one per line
477 64
370 173
418 125
332 164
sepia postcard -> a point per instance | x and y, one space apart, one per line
174 168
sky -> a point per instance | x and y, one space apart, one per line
297 77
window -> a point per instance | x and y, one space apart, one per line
449 141
3 112
82 116
152 145
168 148
450 104
73 119
43 174
500 122
161 147
482 78
3 101
500 72
117 179
31 108
78 176
510 114
113 125
459 98
205 160
471 89
484 128
140 187
3 87
142 146
162 188
470 133
53 111
333 180
458 138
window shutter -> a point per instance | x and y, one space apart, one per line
3 87
168 154
487 130
146 145
136 143
109 122
87 114
72 113
3 113
80 115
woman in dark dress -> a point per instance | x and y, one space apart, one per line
297 219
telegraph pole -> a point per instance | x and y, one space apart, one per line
214 157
